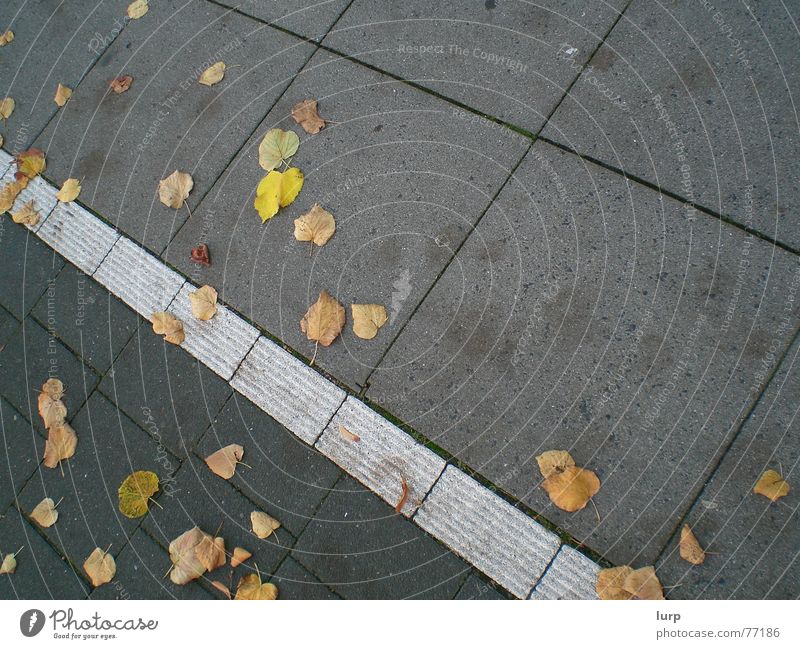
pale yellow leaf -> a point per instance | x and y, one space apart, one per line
63 93
6 37
61 444
100 566
9 564
771 485
204 303
45 513
690 548
317 225
263 524
27 214
137 9
367 319
69 190
250 587
169 326
277 146
213 74
324 320
174 190
6 107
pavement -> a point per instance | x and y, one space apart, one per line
577 216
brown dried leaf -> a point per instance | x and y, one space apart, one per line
63 93
348 435
367 319
30 163
213 74
403 495
27 214
7 107
240 555
250 587
263 524
568 486
324 320
771 485
168 325
690 547
210 552
224 461
6 37
45 513
121 84
644 584
51 409
305 113
10 192
611 581
551 462
204 303
317 225
182 552
175 188
61 444
100 566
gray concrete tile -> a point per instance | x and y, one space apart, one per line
54 42
755 542
86 317
123 145
164 390
499 58
698 99
309 18
288 479
476 588
295 582
23 452
362 549
402 175
588 314
110 448
8 324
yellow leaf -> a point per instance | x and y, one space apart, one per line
291 185
9 564
771 485
324 320
135 493
63 93
69 190
305 113
27 214
183 554
278 145
204 303
210 552
10 192
317 225
6 37
568 486
174 190
100 566
137 9
367 319
213 74
61 444
168 325
223 462
690 547
644 584
277 190
51 409
240 555
6 107
45 513
263 524
250 587
30 163
552 462
611 581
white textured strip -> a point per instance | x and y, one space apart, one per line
220 343
572 575
498 539
78 235
287 389
383 457
138 279
42 193
5 161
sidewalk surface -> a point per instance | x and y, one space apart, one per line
580 217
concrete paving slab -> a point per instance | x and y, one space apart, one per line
6 159
362 549
295 582
697 98
404 176
476 588
572 575
23 452
754 541
309 18
123 145
42 193
8 324
588 314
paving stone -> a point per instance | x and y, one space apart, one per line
288 390
362 549
499 58
572 575
754 541
8 324
288 479
85 316
29 358
54 43
23 452
123 145
501 541
26 265
696 99
5 161
39 191
140 574
309 18
295 582
476 588
198 497
383 458
41 573
164 390
110 448
586 313
402 175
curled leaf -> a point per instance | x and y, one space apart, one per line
135 493
305 113
26 215
367 319
45 513
7 107
611 583
63 93
263 524
317 225
771 485
250 587
61 444
169 326
121 84
568 486
9 193
182 552
30 163
100 566
9 564
552 462
175 188
240 555
69 190
200 255
277 146
690 547
213 74
204 303
137 9
348 435
403 495
324 320
223 462
6 37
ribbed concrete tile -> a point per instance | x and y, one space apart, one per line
138 279
42 193
287 389
5 161
572 575
498 539
220 343
78 235
383 457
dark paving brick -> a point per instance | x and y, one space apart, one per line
23 451
86 317
476 588
198 497
54 42
110 447
295 582
589 314
40 573
164 390
141 567
757 541
499 58
405 180
288 479
733 109
8 324
30 357
362 549
27 267
122 145
309 18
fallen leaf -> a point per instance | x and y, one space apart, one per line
45 513
367 319
51 409
69 190
200 255
63 93
277 146
204 303
1 140
222 588
6 37
210 552
7 107
263 524
9 564
277 189
137 9
611 583
643 584
568 486
61 444
213 74
551 462
30 163
53 388
100 566
305 113
250 587
403 495
349 436
168 325
317 225
690 547
121 84
9 193
182 552
771 485
240 555
324 320
174 190
135 493
223 462
27 214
